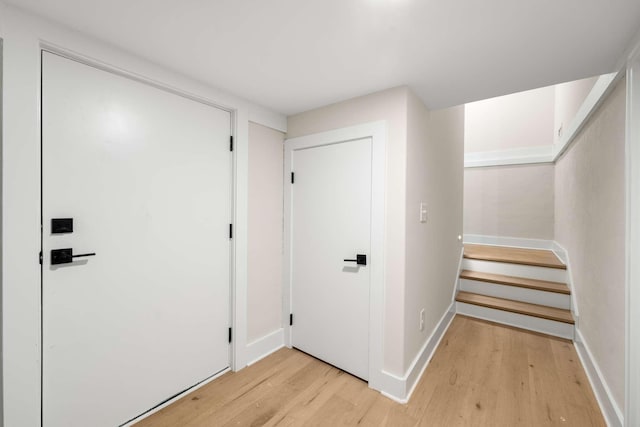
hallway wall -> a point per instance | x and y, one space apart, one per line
590 225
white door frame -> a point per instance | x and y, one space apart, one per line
237 296
632 297
377 131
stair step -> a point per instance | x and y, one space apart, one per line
540 285
519 307
534 257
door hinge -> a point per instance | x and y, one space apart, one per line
230 334
293 177
40 257
231 231
291 319
231 143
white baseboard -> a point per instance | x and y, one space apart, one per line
456 284
264 346
514 242
400 389
611 411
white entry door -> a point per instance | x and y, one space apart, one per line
146 176
330 233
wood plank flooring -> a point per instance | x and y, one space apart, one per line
482 374
537 257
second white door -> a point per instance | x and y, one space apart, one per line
330 244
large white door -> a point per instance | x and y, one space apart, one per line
146 176
331 223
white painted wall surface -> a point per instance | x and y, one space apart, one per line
391 106
590 224
435 156
264 250
22 35
510 201
568 100
519 120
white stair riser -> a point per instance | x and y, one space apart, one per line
533 296
545 326
516 270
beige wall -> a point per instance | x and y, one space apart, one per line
514 121
510 201
389 105
568 100
590 225
264 234
435 145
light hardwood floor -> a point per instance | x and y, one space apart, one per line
482 374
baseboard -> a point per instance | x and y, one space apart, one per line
261 348
563 254
610 410
400 389
514 242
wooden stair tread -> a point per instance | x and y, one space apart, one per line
519 307
535 257
540 285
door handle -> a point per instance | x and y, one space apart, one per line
360 259
65 256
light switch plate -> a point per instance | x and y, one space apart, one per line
423 212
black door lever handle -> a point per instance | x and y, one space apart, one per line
66 256
360 259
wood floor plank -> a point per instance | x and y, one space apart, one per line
543 311
540 285
482 374
535 257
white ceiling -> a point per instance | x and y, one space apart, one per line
294 55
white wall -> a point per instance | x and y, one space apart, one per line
22 36
510 201
590 225
264 251
389 105
519 120
568 100
435 145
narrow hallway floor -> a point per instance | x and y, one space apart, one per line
482 374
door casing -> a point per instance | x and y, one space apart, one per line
377 131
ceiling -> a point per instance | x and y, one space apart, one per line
294 55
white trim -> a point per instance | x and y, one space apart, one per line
456 284
513 242
263 347
601 89
511 156
400 389
610 410
563 254
377 131
175 398
632 273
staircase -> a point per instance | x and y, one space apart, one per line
525 288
